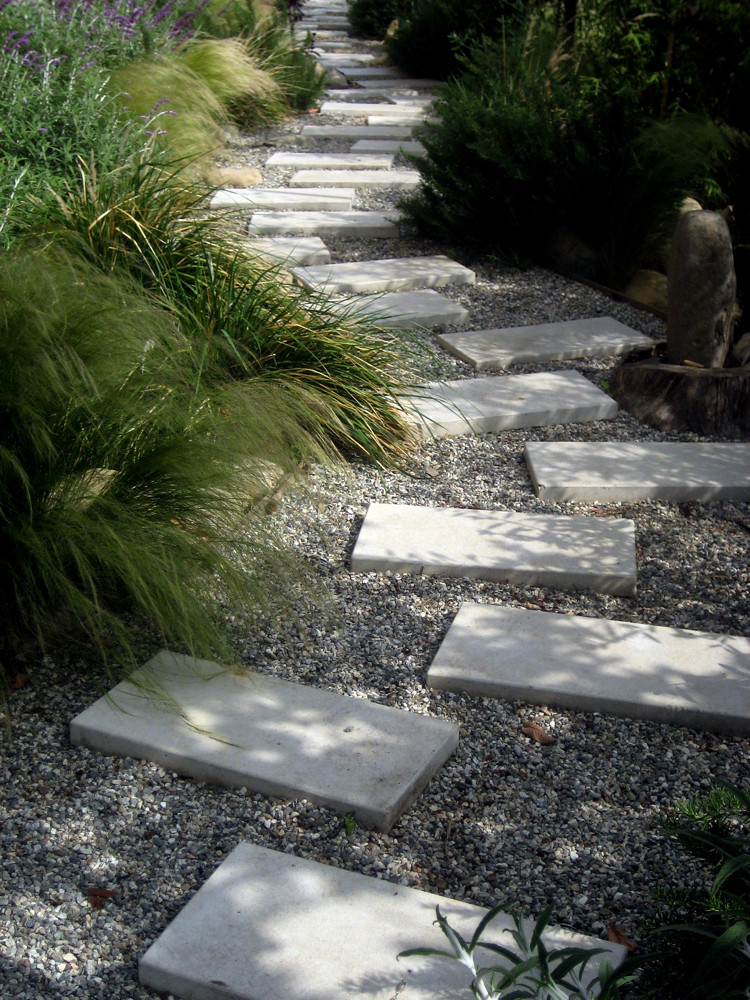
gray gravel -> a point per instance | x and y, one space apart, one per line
506 820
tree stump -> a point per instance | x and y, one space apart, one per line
713 402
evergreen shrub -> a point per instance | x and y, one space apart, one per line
431 33
531 139
371 18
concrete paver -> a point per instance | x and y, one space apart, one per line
544 550
253 731
673 675
488 405
270 926
618 470
389 274
596 337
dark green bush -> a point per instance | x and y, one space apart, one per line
531 139
371 18
431 33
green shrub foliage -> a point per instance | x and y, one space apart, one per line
371 18
431 33
531 138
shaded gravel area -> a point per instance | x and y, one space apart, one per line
575 824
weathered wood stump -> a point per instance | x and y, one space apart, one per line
708 401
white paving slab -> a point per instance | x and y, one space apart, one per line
617 470
358 131
338 59
591 664
274 737
393 96
544 550
271 926
372 73
388 146
399 83
405 310
355 178
389 274
341 44
497 403
597 337
332 161
291 249
371 224
383 120
312 199
361 109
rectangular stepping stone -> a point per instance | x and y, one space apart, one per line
360 109
371 224
388 146
538 550
488 405
291 250
358 131
327 45
249 730
355 178
271 926
372 73
597 337
337 59
614 470
398 83
405 310
390 274
594 665
381 120
332 161
313 199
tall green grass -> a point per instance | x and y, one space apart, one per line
138 221
132 475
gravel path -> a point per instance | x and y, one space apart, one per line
506 820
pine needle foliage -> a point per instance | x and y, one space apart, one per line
130 475
250 324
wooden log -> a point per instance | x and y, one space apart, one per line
714 402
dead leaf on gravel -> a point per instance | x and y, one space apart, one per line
535 732
98 897
618 936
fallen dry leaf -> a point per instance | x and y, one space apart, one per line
98 897
618 936
536 733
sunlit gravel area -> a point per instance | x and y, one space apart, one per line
574 824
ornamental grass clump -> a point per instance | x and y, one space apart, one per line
146 220
132 477
265 33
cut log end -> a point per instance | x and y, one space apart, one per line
713 402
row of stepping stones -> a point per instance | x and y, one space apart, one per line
268 925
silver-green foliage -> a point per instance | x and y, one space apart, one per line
530 971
